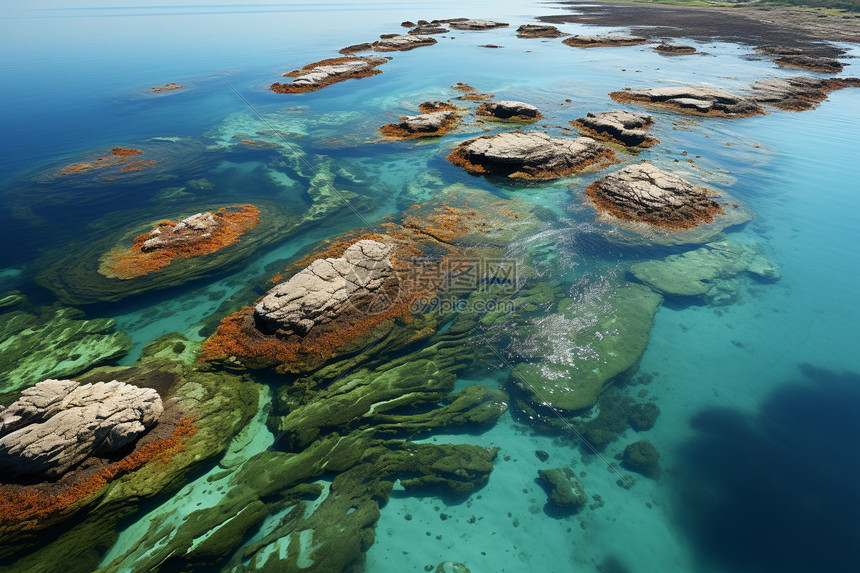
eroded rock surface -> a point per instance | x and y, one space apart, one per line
188 230
320 74
584 41
394 43
431 124
508 110
476 24
798 58
618 126
646 193
529 155
670 49
798 93
317 294
692 101
56 424
539 31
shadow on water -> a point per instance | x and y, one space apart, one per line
777 491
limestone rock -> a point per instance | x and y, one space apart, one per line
563 489
476 24
529 155
507 110
428 30
538 31
618 126
319 292
56 424
431 124
692 101
702 272
674 49
646 193
596 41
798 93
188 230
320 74
797 58
452 567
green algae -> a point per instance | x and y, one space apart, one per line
220 405
573 355
53 342
563 489
706 272
642 457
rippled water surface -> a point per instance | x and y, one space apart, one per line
757 388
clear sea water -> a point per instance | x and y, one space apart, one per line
759 398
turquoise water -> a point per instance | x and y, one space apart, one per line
766 383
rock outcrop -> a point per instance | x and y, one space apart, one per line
646 193
692 101
431 124
674 49
642 457
320 74
797 58
393 43
166 87
621 127
563 489
582 41
476 24
433 106
189 230
428 30
56 424
317 294
529 155
539 31
515 111
798 93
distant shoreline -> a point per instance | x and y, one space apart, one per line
751 25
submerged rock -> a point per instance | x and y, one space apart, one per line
452 567
642 457
539 31
692 101
433 124
704 272
798 93
54 342
674 49
166 87
645 193
317 294
56 424
529 155
618 126
324 73
582 41
507 110
394 43
571 356
434 106
563 489
476 24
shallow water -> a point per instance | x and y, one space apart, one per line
756 395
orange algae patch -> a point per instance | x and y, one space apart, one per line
666 221
33 504
117 156
135 262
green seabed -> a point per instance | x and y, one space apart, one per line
527 422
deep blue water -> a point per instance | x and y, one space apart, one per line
759 398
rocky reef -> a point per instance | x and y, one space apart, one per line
55 341
598 41
458 24
793 57
570 357
698 101
200 234
470 93
168 87
430 124
539 31
393 43
529 155
643 192
618 126
642 457
56 424
670 49
202 411
508 111
318 75
436 105
564 491
119 157
707 272
798 93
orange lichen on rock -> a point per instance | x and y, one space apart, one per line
334 72
31 503
139 260
117 156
